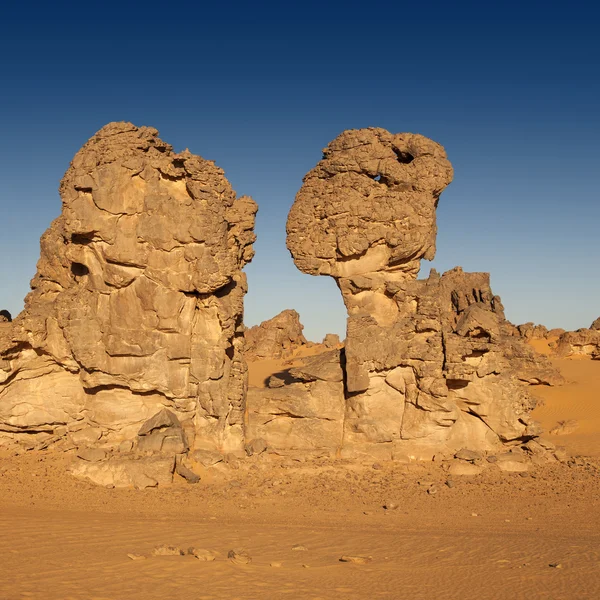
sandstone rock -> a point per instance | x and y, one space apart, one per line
202 554
595 326
583 342
137 301
5 316
299 416
331 340
429 364
564 427
186 473
278 337
165 550
86 436
120 472
468 455
355 559
531 331
91 454
162 433
322 367
206 458
512 466
464 468
255 447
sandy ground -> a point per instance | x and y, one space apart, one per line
492 536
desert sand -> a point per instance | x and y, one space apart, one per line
494 535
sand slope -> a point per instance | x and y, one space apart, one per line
578 400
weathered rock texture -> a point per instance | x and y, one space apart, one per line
137 302
583 342
428 363
301 410
276 338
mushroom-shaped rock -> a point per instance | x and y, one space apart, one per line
427 363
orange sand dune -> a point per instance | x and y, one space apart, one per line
578 400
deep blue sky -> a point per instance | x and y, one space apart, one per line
517 109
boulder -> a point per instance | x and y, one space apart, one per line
331 340
125 472
278 337
583 342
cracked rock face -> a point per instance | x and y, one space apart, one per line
430 365
583 342
137 301
367 211
276 338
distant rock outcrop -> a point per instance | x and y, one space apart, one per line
331 340
276 338
428 366
137 303
583 342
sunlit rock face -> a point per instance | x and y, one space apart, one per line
137 302
429 364
276 338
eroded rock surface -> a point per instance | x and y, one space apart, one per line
276 338
429 364
137 302
303 410
583 342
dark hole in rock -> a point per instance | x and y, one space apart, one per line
456 384
82 239
79 270
403 157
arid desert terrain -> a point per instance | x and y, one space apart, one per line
493 535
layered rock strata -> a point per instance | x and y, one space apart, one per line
137 302
428 364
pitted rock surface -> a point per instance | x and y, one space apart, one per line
369 206
583 342
430 365
137 302
276 338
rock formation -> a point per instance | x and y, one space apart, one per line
331 340
5 316
583 342
427 364
302 410
276 338
136 306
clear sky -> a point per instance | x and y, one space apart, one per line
517 109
